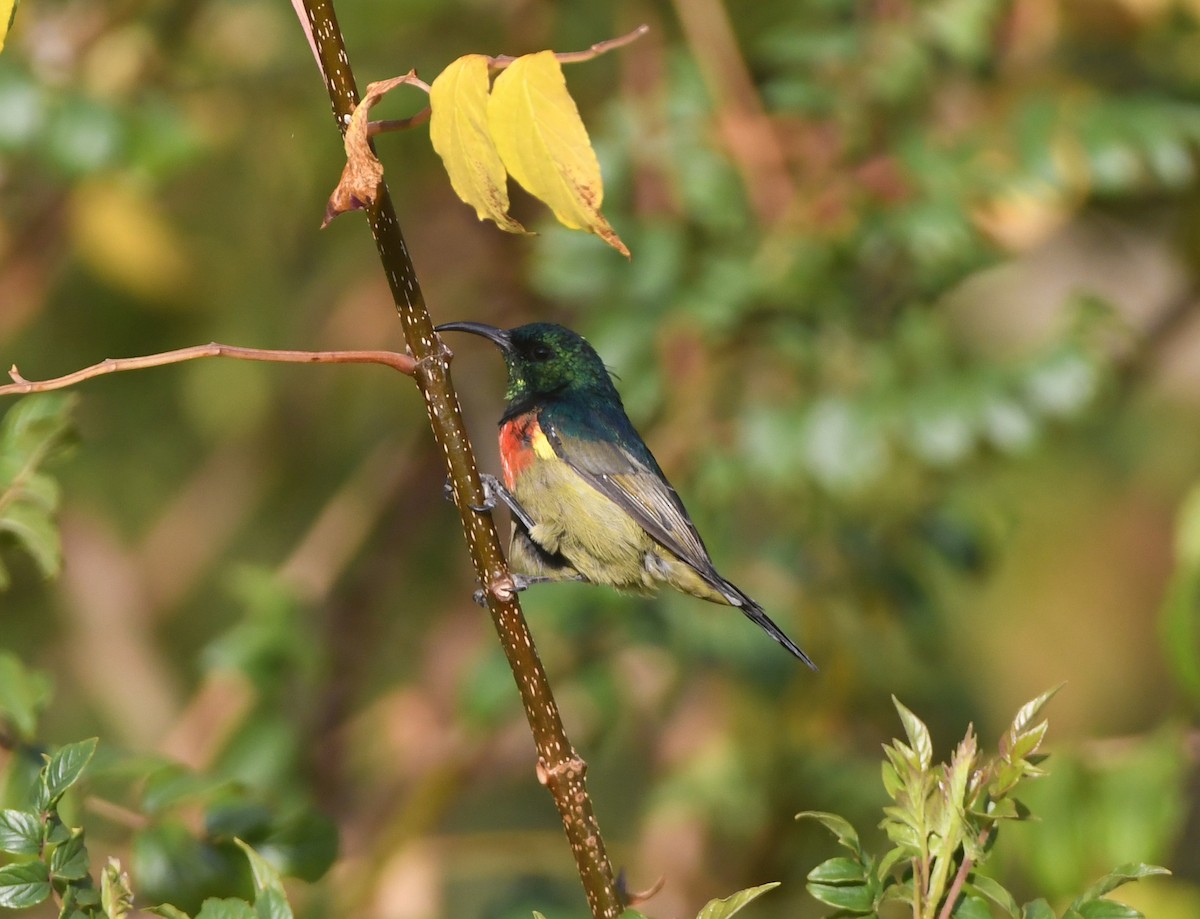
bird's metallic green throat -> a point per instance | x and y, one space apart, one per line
544 361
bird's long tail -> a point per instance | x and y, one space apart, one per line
755 614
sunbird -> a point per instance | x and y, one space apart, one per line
588 500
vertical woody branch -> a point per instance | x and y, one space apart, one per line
559 767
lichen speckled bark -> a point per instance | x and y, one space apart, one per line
559 767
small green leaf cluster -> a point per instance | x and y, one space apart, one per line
942 823
54 856
46 857
33 432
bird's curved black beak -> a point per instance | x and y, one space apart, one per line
499 337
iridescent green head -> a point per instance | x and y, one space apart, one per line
544 361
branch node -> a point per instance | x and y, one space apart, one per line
570 769
503 588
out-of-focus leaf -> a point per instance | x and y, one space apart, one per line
24 885
1179 619
167 911
544 145
123 236
458 130
172 865
32 432
171 784
303 846
722 909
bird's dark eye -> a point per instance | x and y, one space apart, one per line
541 353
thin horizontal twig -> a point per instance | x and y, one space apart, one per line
21 386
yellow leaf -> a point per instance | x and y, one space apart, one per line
458 128
8 12
544 145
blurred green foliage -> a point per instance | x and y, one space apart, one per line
909 322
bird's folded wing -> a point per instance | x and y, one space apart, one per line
635 484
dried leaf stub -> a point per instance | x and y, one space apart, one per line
544 145
458 129
363 173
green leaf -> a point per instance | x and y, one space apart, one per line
66 766
840 827
36 532
972 908
544 145
272 904
889 861
24 885
996 892
115 896
32 431
1108 909
840 870
1038 909
228 908
1025 716
270 901
167 911
458 130
20 832
722 909
918 734
69 860
55 831
1122 874
24 694
854 898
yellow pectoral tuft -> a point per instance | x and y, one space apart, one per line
541 446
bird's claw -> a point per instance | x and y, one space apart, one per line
489 499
